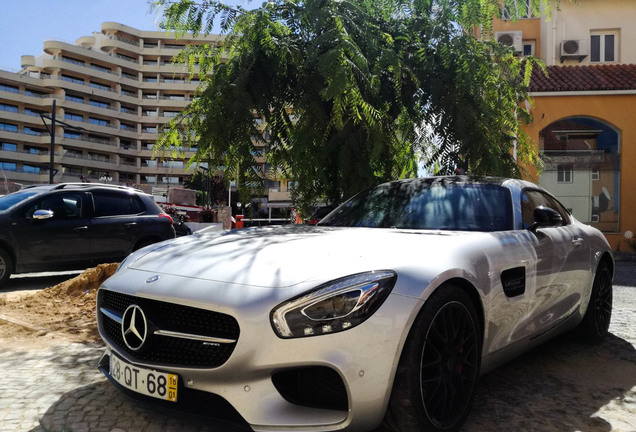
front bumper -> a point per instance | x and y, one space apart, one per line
365 358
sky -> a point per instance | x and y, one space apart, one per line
26 24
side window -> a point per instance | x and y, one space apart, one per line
63 206
115 204
532 199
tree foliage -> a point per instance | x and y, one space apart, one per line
353 92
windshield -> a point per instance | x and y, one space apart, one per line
14 198
434 204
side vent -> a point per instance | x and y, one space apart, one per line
572 49
512 39
514 281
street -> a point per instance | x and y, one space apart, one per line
561 386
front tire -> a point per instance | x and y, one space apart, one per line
596 322
6 267
439 368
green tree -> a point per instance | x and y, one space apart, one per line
212 187
353 92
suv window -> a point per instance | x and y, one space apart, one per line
63 206
14 198
116 204
532 199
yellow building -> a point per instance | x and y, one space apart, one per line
584 110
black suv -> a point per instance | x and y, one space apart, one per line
72 226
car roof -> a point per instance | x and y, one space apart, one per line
79 186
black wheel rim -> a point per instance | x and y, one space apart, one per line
603 302
449 365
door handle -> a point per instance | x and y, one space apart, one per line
577 241
81 228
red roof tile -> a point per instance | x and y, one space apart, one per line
584 78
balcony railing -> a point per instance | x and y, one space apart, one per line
126 40
126 58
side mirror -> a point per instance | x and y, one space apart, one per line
42 214
545 217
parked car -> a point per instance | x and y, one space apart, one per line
71 226
415 288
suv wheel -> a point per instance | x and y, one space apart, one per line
6 267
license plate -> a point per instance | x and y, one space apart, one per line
149 382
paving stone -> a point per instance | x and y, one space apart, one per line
56 388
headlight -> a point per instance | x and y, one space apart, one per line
335 306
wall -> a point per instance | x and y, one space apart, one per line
576 20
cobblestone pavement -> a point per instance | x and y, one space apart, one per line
561 386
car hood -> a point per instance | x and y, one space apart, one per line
278 257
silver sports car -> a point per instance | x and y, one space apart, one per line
387 311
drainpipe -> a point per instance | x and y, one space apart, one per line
555 14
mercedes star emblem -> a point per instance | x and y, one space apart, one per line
134 327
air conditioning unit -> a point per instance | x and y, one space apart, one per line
574 49
511 38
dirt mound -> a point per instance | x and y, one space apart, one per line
64 311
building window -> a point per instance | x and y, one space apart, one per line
34 150
9 147
528 48
72 79
127 58
596 175
98 139
9 108
32 112
564 174
72 135
8 166
36 93
7 127
74 117
73 61
99 103
100 86
35 132
603 47
72 98
100 68
8 88
30 169
98 122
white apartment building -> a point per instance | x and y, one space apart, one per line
113 92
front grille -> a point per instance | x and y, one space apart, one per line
314 386
170 350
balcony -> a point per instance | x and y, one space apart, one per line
278 195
